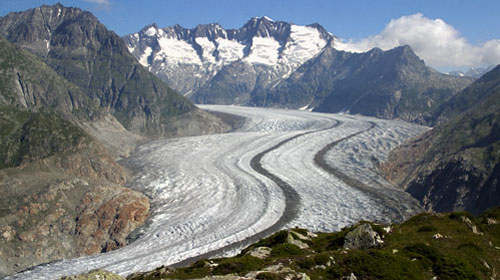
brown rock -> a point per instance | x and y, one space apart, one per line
103 223
27 236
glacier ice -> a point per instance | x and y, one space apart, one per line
206 196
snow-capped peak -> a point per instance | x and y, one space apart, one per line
207 48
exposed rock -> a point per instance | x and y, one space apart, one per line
50 207
491 221
438 236
471 225
95 275
297 239
350 277
260 252
106 216
82 217
277 271
362 237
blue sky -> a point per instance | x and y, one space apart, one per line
357 22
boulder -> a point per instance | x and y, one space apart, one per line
362 237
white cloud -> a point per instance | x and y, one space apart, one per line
435 41
100 3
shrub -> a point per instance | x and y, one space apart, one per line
268 276
321 259
427 229
376 265
450 268
284 250
238 265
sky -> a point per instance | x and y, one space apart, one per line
447 34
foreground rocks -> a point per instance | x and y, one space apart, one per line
95 275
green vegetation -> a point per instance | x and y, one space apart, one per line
425 246
27 136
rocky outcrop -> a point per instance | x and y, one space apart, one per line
62 217
362 237
106 216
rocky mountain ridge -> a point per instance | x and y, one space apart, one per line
187 59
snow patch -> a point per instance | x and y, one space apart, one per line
305 43
177 51
229 50
145 56
264 50
207 47
151 31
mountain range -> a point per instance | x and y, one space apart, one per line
280 64
473 72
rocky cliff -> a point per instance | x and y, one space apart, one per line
456 166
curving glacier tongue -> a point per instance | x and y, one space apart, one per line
208 198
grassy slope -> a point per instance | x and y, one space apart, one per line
409 252
27 136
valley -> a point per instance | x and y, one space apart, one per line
207 198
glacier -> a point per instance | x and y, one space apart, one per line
208 200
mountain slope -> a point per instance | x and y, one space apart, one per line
78 47
29 84
456 166
61 191
387 84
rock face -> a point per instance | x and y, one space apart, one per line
268 63
456 166
27 83
79 48
362 237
